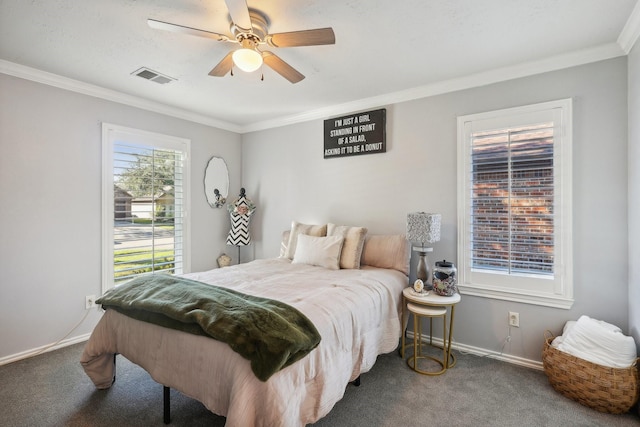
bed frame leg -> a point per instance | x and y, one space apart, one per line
167 405
114 368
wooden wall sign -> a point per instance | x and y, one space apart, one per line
356 134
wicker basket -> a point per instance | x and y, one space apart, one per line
605 389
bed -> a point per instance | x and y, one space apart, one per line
356 311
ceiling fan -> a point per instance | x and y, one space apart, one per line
250 29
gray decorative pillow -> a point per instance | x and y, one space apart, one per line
353 242
298 228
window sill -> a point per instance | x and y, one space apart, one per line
555 301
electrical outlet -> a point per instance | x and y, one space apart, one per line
89 302
514 319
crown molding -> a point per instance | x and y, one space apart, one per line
558 62
39 76
631 31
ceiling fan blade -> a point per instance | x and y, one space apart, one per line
315 37
186 30
239 12
223 66
281 67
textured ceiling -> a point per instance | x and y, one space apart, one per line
382 47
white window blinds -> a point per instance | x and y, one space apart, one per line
515 204
145 200
148 201
512 224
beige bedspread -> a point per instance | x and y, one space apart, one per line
357 313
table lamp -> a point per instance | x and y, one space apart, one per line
423 228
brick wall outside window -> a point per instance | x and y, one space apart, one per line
512 202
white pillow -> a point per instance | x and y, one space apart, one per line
353 243
284 243
298 228
320 251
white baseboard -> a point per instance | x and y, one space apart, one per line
516 360
43 349
483 352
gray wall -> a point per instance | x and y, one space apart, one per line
285 174
634 193
50 194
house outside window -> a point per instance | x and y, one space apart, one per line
145 204
514 204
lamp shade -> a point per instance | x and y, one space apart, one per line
423 227
247 60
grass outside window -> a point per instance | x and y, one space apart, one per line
130 262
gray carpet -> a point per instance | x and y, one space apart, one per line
52 390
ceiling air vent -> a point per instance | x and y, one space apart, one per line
154 76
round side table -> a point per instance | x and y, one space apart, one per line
434 300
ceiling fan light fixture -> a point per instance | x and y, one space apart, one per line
250 28
248 60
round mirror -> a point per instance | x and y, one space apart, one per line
216 182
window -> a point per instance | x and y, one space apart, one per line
514 204
145 201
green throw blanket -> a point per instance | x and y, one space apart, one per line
269 333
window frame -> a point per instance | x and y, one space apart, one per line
555 291
112 133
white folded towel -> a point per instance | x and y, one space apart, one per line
598 342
